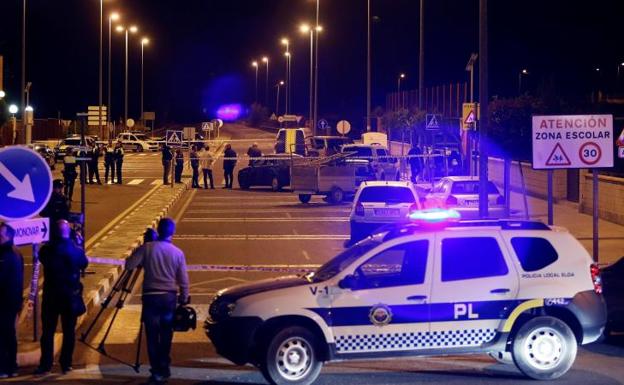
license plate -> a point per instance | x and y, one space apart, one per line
471 203
388 212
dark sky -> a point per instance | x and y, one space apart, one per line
201 50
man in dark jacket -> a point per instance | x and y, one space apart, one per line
179 165
229 162
167 157
62 263
109 162
57 207
194 158
119 155
93 164
415 162
11 286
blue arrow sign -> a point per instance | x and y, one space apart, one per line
25 183
322 124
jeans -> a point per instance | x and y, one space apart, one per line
195 182
166 171
93 171
109 167
118 165
157 317
8 342
228 174
178 173
207 175
51 309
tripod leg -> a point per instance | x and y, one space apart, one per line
108 329
137 363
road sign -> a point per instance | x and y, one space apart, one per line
93 115
432 121
174 138
322 124
29 231
218 123
207 126
149 115
470 115
621 152
130 123
280 119
572 141
620 139
25 183
343 127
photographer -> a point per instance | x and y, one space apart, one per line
164 267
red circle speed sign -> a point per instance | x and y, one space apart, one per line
590 153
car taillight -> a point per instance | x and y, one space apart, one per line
596 279
359 210
414 207
451 201
500 200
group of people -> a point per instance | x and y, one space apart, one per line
201 158
113 162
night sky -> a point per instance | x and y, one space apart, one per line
201 50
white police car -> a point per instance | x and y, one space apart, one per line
449 288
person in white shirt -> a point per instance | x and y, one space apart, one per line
205 161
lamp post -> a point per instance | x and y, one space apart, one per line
523 72
112 17
100 70
265 60
286 42
401 76
318 29
23 60
13 110
368 66
255 65
144 42
132 29
305 28
278 85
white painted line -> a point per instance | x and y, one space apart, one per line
271 268
142 154
267 211
260 237
234 202
243 198
135 181
268 219
156 182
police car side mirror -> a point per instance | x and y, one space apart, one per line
348 282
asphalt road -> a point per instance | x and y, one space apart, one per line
240 233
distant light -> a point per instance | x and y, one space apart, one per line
145 41
13 109
2 94
114 16
28 109
254 63
120 28
304 28
281 82
284 41
402 76
286 54
134 29
597 69
524 71
265 59
319 28
435 215
229 112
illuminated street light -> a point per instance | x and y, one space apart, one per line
132 29
112 17
525 72
2 94
286 42
278 85
144 42
305 28
266 86
13 109
401 76
255 65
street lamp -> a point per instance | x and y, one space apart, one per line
255 65
2 94
305 28
13 110
278 85
523 72
112 17
286 42
144 42
401 76
132 29
265 60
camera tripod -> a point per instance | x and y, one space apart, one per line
122 288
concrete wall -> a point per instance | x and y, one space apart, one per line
536 180
610 197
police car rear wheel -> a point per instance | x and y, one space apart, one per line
291 358
138 148
305 198
336 196
544 348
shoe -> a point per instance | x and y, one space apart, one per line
67 369
41 371
157 379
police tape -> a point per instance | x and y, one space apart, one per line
302 159
221 268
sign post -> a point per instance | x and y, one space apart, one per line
573 141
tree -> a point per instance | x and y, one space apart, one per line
403 121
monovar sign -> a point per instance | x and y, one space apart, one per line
572 141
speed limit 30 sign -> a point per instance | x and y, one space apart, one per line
572 141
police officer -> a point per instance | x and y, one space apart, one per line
179 165
69 172
93 164
167 158
253 152
11 286
58 206
229 162
109 162
194 157
62 262
118 156
415 162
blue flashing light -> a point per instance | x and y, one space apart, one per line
229 112
434 215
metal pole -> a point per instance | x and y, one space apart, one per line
110 22
399 92
23 67
506 182
519 83
126 86
550 198
256 84
483 99
421 56
266 89
287 77
277 100
142 118
368 65
35 288
595 214
100 72
316 55
288 91
312 123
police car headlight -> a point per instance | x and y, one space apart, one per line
220 309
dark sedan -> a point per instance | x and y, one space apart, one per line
612 289
46 152
273 170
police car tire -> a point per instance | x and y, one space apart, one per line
552 334
138 148
275 185
305 198
300 344
336 195
243 184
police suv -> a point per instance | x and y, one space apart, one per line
431 287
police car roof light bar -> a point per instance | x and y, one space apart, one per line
434 215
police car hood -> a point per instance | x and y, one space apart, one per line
239 291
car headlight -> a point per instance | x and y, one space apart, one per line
220 309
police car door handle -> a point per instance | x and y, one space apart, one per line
500 291
417 298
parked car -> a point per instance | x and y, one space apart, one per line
385 166
273 170
326 145
462 194
613 292
71 141
379 203
46 152
136 142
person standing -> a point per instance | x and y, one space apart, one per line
206 160
119 155
194 158
11 286
62 263
415 162
164 268
93 164
58 206
253 152
69 172
109 162
179 165
229 162
167 158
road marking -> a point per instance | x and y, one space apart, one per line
234 202
268 219
271 268
254 198
157 182
305 255
266 211
142 154
135 181
260 237
185 206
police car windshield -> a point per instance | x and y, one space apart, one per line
341 261
72 142
471 188
389 194
359 151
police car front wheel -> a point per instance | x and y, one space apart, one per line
291 358
544 348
